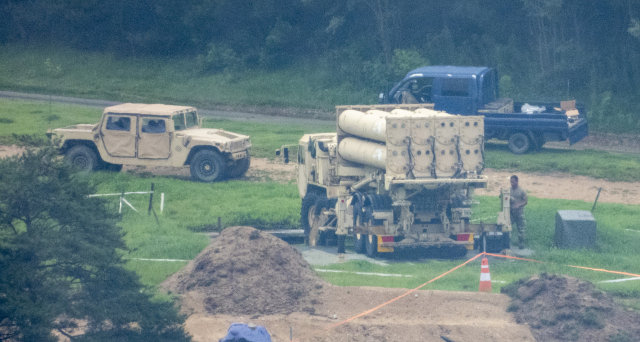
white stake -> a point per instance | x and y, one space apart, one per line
161 202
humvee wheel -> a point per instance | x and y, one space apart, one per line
207 166
240 168
371 245
82 158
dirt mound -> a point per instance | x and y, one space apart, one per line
247 272
561 308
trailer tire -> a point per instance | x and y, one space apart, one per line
371 245
359 242
519 143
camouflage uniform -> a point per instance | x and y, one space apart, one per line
518 196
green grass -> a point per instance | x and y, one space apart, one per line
597 164
618 235
266 138
193 208
54 70
33 118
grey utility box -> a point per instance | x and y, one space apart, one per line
575 229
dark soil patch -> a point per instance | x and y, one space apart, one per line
246 272
561 308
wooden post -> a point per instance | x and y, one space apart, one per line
151 199
596 201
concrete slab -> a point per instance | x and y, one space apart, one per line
324 255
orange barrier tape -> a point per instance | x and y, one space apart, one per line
403 295
602 270
455 268
582 267
510 257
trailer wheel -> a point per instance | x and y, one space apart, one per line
371 245
519 143
359 243
308 214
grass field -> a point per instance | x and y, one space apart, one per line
54 70
191 209
34 118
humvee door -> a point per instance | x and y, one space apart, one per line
154 139
119 135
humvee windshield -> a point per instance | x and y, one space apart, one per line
184 120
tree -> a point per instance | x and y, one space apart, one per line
61 260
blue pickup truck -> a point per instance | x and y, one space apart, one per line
474 91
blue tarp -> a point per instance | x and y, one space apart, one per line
239 332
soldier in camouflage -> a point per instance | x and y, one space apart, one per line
517 202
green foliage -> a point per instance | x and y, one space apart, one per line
60 255
406 60
613 114
506 86
220 58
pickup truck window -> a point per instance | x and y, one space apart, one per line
192 119
115 123
178 122
455 87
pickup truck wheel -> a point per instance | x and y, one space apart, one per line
519 143
207 166
371 245
240 168
82 157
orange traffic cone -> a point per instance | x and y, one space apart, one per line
485 277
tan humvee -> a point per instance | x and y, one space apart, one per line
155 135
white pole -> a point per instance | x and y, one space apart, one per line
161 202
120 210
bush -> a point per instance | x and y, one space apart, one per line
220 58
406 60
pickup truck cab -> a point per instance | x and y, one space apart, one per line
474 91
154 135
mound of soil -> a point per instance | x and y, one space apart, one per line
247 272
559 308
